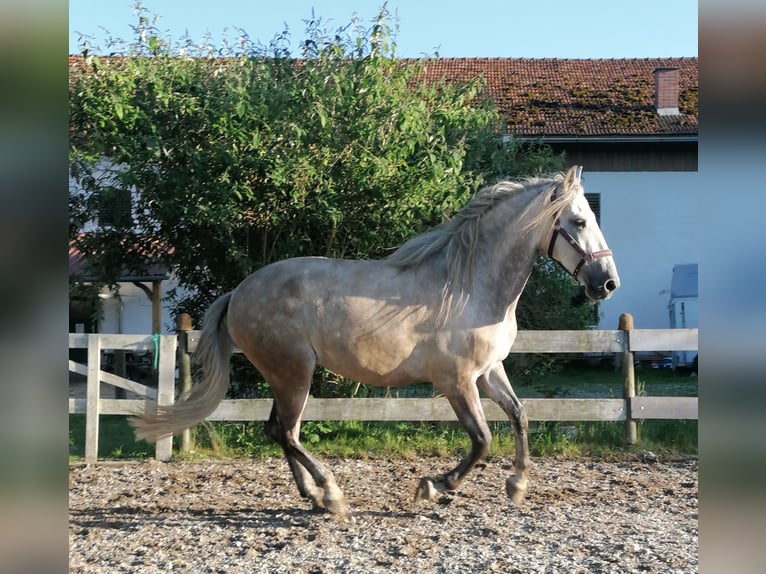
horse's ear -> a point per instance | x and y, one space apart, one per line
572 177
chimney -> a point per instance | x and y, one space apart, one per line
666 91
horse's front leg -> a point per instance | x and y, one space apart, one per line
498 388
467 407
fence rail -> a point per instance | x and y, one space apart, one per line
172 354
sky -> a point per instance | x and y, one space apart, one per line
467 28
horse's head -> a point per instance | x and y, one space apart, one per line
577 243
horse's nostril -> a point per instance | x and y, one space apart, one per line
610 285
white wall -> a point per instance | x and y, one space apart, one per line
131 312
650 221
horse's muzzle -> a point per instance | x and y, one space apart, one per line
601 291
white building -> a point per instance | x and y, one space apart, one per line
138 306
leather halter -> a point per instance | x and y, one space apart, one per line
585 256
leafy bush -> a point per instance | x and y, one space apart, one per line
246 155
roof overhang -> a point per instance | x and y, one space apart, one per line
77 264
554 139
154 271
128 278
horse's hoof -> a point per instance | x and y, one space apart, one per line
341 512
346 517
426 490
516 488
336 506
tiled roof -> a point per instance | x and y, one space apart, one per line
573 97
78 265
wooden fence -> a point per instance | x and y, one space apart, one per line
172 352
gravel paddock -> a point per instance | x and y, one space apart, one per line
580 516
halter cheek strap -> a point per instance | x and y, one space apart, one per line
585 256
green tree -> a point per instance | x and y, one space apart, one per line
247 155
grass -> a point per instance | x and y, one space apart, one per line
575 382
353 439
115 438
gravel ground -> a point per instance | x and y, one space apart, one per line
246 516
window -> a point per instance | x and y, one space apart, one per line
115 208
594 200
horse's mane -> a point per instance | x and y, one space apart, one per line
457 237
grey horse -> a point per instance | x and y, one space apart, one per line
442 309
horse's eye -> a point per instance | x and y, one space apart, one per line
579 223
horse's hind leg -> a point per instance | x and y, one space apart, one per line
303 463
498 388
306 485
467 407
314 479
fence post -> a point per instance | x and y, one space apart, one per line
628 379
166 390
183 326
93 395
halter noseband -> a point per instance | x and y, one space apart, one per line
585 256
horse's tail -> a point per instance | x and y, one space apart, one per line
214 351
